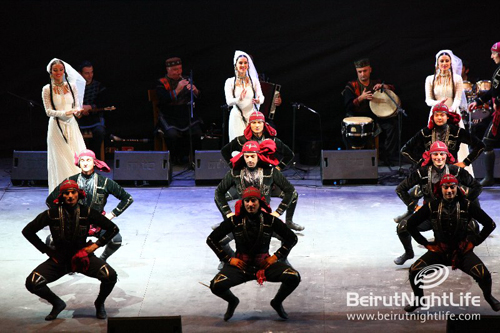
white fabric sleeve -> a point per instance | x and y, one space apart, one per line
228 90
429 100
459 88
258 92
48 105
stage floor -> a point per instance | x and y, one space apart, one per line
348 246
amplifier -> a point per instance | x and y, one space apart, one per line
29 165
210 166
349 164
142 165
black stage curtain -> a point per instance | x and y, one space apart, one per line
306 46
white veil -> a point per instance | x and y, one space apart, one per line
74 78
252 71
456 64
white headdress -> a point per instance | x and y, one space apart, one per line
74 78
456 64
252 71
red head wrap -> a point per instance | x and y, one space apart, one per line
437 146
67 185
265 152
496 47
258 116
453 118
100 165
252 192
448 179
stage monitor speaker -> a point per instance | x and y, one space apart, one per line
349 164
210 166
29 165
169 324
142 165
485 324
480 168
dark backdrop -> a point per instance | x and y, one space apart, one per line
306 46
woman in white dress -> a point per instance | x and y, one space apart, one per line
446 85
62 99
243 93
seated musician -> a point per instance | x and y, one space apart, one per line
357 95
93 99
174 120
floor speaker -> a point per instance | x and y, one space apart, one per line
169 324
142 165
480 169
210 166
348 164
29 165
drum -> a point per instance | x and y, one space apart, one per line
483 111
468 89
382 105
358 132
483 86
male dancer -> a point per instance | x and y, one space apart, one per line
253 224
251 168
97 188
491 136
428 177
69 224
450 216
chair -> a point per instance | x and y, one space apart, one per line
159 141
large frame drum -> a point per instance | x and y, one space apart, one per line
358 132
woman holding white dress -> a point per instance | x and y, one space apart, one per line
446 85
243 93
62 99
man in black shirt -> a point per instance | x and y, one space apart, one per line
253 226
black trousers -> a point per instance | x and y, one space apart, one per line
470 264
230 276
388 137
50 271
489 139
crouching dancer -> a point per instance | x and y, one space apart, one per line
450 216
253 226
69 225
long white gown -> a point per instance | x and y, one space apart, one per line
61 154
237 125
442 91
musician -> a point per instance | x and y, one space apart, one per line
174 120
357 96
93 99
442 127
450 214
491 137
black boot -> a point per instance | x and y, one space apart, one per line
489 164
105 290
486 288
289 215
401 217
57 304
232 303
405 239
277 302
109 250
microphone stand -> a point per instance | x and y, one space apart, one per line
400 112
31 104
320 127
191 115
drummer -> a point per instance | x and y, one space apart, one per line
357 96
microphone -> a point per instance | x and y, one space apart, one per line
297 105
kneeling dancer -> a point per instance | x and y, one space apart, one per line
253 226
450 216
69 225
